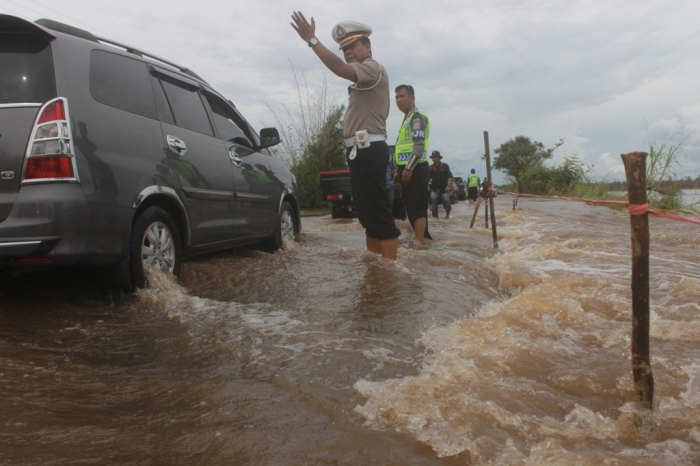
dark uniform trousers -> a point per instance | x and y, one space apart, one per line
368 179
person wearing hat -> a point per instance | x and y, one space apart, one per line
441 184
364 126
473 183
484 188
411 159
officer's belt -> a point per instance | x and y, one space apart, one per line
349 142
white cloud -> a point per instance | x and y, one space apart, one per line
608 164
590 72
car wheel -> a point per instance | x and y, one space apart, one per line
285 231
155 243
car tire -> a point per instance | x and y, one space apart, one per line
155 241
285 230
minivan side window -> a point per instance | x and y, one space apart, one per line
121 82
187 106
26 69
225 121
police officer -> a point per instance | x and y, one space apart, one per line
473 190
411 159
364 126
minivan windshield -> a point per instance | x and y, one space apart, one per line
27 69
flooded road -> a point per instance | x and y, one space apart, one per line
322 354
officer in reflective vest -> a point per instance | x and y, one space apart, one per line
473 193
411 160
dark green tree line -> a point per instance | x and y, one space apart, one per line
520 155
325 152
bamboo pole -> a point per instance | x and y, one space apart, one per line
476 211
489 193
635 169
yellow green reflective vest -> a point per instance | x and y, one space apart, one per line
473 180
404 143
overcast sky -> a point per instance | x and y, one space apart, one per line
606 76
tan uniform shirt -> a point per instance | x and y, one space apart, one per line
369 101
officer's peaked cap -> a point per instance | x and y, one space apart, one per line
347 32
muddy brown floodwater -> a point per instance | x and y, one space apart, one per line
323 355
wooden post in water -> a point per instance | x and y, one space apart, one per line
635 169
476 211
489 193
486 211
513 203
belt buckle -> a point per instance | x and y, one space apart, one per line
362 139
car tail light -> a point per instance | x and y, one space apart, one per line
334 197
53 111
48 167
50 156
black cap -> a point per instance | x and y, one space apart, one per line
436 153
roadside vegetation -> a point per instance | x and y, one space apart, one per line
312 136
522 160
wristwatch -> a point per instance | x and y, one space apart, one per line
313 42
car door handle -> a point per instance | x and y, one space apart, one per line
177 145
236 160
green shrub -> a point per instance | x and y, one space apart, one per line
325 152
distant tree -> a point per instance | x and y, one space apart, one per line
520 155
562 179
567 174
326 151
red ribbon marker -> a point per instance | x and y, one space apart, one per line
635 209
639 209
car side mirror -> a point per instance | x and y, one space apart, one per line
269 137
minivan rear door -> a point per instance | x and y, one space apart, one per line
198 162
26 82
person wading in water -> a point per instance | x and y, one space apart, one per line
364 126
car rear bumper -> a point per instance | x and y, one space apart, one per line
15 247
55 225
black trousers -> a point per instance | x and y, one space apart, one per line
415 195
368 179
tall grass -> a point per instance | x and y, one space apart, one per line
312 134
662 193
599 190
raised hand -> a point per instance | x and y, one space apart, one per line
305 30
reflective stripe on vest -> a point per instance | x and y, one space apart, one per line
404 143
473 180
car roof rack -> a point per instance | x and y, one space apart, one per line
140 53
83 34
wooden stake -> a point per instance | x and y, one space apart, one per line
635 169
476 211
486 211
489 192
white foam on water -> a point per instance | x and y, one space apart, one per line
544 377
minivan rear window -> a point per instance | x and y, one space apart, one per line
122 82
26 69
187 106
